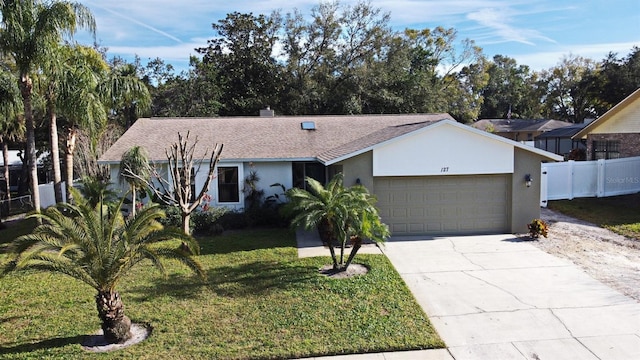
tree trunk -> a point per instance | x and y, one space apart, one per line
133 200
23 179
26 87
70 149
5 156
116 326
357 243
55 153
186 219
326 235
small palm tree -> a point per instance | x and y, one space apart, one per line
135 170
98 246
341 215
95 190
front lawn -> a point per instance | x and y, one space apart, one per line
620 214
260 302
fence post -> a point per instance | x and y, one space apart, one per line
544 189
570 179
601 167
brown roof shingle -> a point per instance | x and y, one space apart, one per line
269 138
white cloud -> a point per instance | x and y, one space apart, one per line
498 21
597 52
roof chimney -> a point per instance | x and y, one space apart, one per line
267 112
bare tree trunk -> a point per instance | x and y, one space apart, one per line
26 87
55 153
5 156
186 226
71 148
133 200
116 326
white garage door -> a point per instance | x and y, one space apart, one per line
444 204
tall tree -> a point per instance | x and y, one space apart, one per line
123 91
242 52
11 128
510 87
194 94
30 31
96 245
617 79
64 76
567 98
81 101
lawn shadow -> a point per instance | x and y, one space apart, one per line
43 344
258 277
231 281
246 240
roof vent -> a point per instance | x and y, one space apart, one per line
308 125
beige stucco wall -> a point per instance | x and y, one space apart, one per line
525 203
358 167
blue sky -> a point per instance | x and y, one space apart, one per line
537 33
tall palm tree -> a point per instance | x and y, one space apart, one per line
107 88
99 247
341 215
82 104
30 28
124 92
135 170
11 128
69 80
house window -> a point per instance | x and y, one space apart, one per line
302 170
228 190
606 149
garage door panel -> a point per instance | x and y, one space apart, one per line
444 204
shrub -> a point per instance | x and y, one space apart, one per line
233 220
206 222
538 227
173 217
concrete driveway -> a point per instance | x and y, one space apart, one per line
494 297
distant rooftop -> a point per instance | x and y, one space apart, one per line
520 125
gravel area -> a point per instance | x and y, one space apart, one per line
611 258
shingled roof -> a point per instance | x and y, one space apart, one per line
270 138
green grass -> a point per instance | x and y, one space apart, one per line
260 302
620 214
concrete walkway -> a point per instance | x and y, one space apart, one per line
494 297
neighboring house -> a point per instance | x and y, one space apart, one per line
431 174
560 141
615 134
15 170
519 129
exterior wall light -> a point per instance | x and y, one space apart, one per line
527 180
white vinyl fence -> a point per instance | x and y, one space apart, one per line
47 194
600 178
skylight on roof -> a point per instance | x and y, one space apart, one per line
308 125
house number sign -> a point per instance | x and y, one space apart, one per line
444 169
